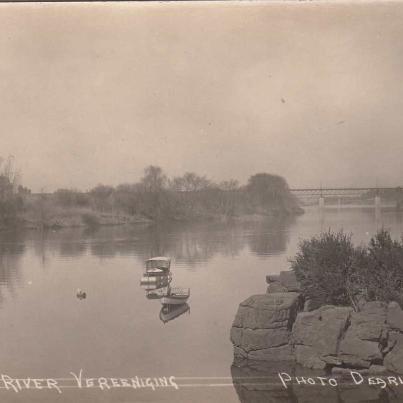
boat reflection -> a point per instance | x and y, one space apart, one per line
156 281
170 312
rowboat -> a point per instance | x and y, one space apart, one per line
176 296
149 282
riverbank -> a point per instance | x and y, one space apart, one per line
58 218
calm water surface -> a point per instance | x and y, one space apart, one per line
116 331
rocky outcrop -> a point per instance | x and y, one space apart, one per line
316 336
394 347
262 326
274 327
362 343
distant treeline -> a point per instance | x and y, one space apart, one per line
154 197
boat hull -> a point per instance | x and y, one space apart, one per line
173 300
156 272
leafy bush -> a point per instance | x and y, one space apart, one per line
332 271
381 271
323 266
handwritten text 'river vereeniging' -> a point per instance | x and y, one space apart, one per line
78 381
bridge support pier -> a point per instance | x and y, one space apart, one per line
321 202
377 202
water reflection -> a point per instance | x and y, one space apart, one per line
170 312
156 281
190 243
269 237
220 262
258 382
11 250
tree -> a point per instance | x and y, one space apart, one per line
71 198
129 197
266 188
229 186
10 201
154 180
101 196
190 182
268 192
154 201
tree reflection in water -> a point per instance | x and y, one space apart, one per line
12 248
190 243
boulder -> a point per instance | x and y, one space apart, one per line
377 369
308 357
393 361
362 343
356 353
370 322
262 326
395 316
275 288
257 339
268 311
273 354
316 335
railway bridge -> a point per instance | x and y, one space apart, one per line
362 196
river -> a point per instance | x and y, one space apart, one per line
47 332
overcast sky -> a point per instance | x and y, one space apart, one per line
92 93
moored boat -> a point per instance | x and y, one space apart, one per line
176 296
153 282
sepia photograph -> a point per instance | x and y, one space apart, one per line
201 202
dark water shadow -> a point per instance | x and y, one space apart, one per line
260 382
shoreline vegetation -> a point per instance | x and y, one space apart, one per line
154 198
332 271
